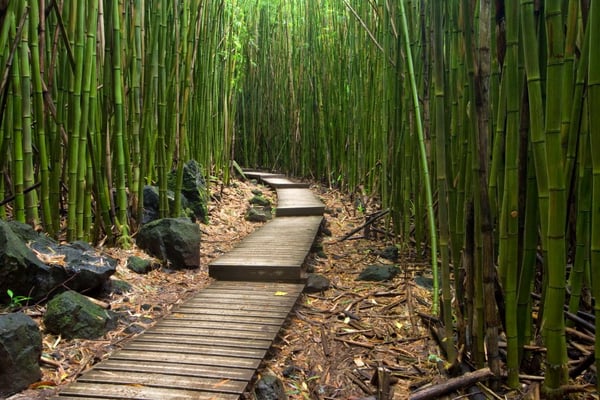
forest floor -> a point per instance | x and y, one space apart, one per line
334 342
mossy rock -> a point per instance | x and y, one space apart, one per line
72 315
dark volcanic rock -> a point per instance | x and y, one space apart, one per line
140 265
269 387
172 240
389 253
378 273
77 265
258 214
316 283
72 315
260 201
193 188
151 204
20 351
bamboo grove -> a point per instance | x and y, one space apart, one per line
475 122
98 98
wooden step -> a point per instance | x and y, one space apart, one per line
298 202
276 252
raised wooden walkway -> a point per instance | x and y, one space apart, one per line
211 346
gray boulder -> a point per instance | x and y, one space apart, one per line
269 387
378 273
260 200
72 315
20 351
152 204
140 265
193 188
172 240
33 265
259 214
316 283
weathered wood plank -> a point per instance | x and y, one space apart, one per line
262 174
220 326
195 359
298 202
214 332
278 183
130 392
152 336
224 312
231 302
191 370
242 319
185 348
272 298
276 252
160 380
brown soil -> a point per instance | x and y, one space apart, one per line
335 341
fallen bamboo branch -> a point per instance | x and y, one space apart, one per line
369 221
468 379
355 343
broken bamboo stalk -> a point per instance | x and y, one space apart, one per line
468 379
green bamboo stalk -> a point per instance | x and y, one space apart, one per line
536 111
554 329
584 209
83 184
31 202
37 22
118 126
594 125
17 142
509 217
441 176
423 159
73 230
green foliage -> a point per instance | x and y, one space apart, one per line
16 301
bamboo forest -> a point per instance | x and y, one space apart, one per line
476 123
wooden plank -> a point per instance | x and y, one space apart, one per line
215 332
253 174
186 348
278 183
220 326
271 298
129 392
195 359
160 380
255 286
224 311
192 370
290 290
298 202
259 273
241 319
275 252
220 302
151 336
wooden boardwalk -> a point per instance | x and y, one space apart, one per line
211 346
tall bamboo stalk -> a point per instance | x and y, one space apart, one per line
594 125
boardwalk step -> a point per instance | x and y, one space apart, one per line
298 202
275 252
